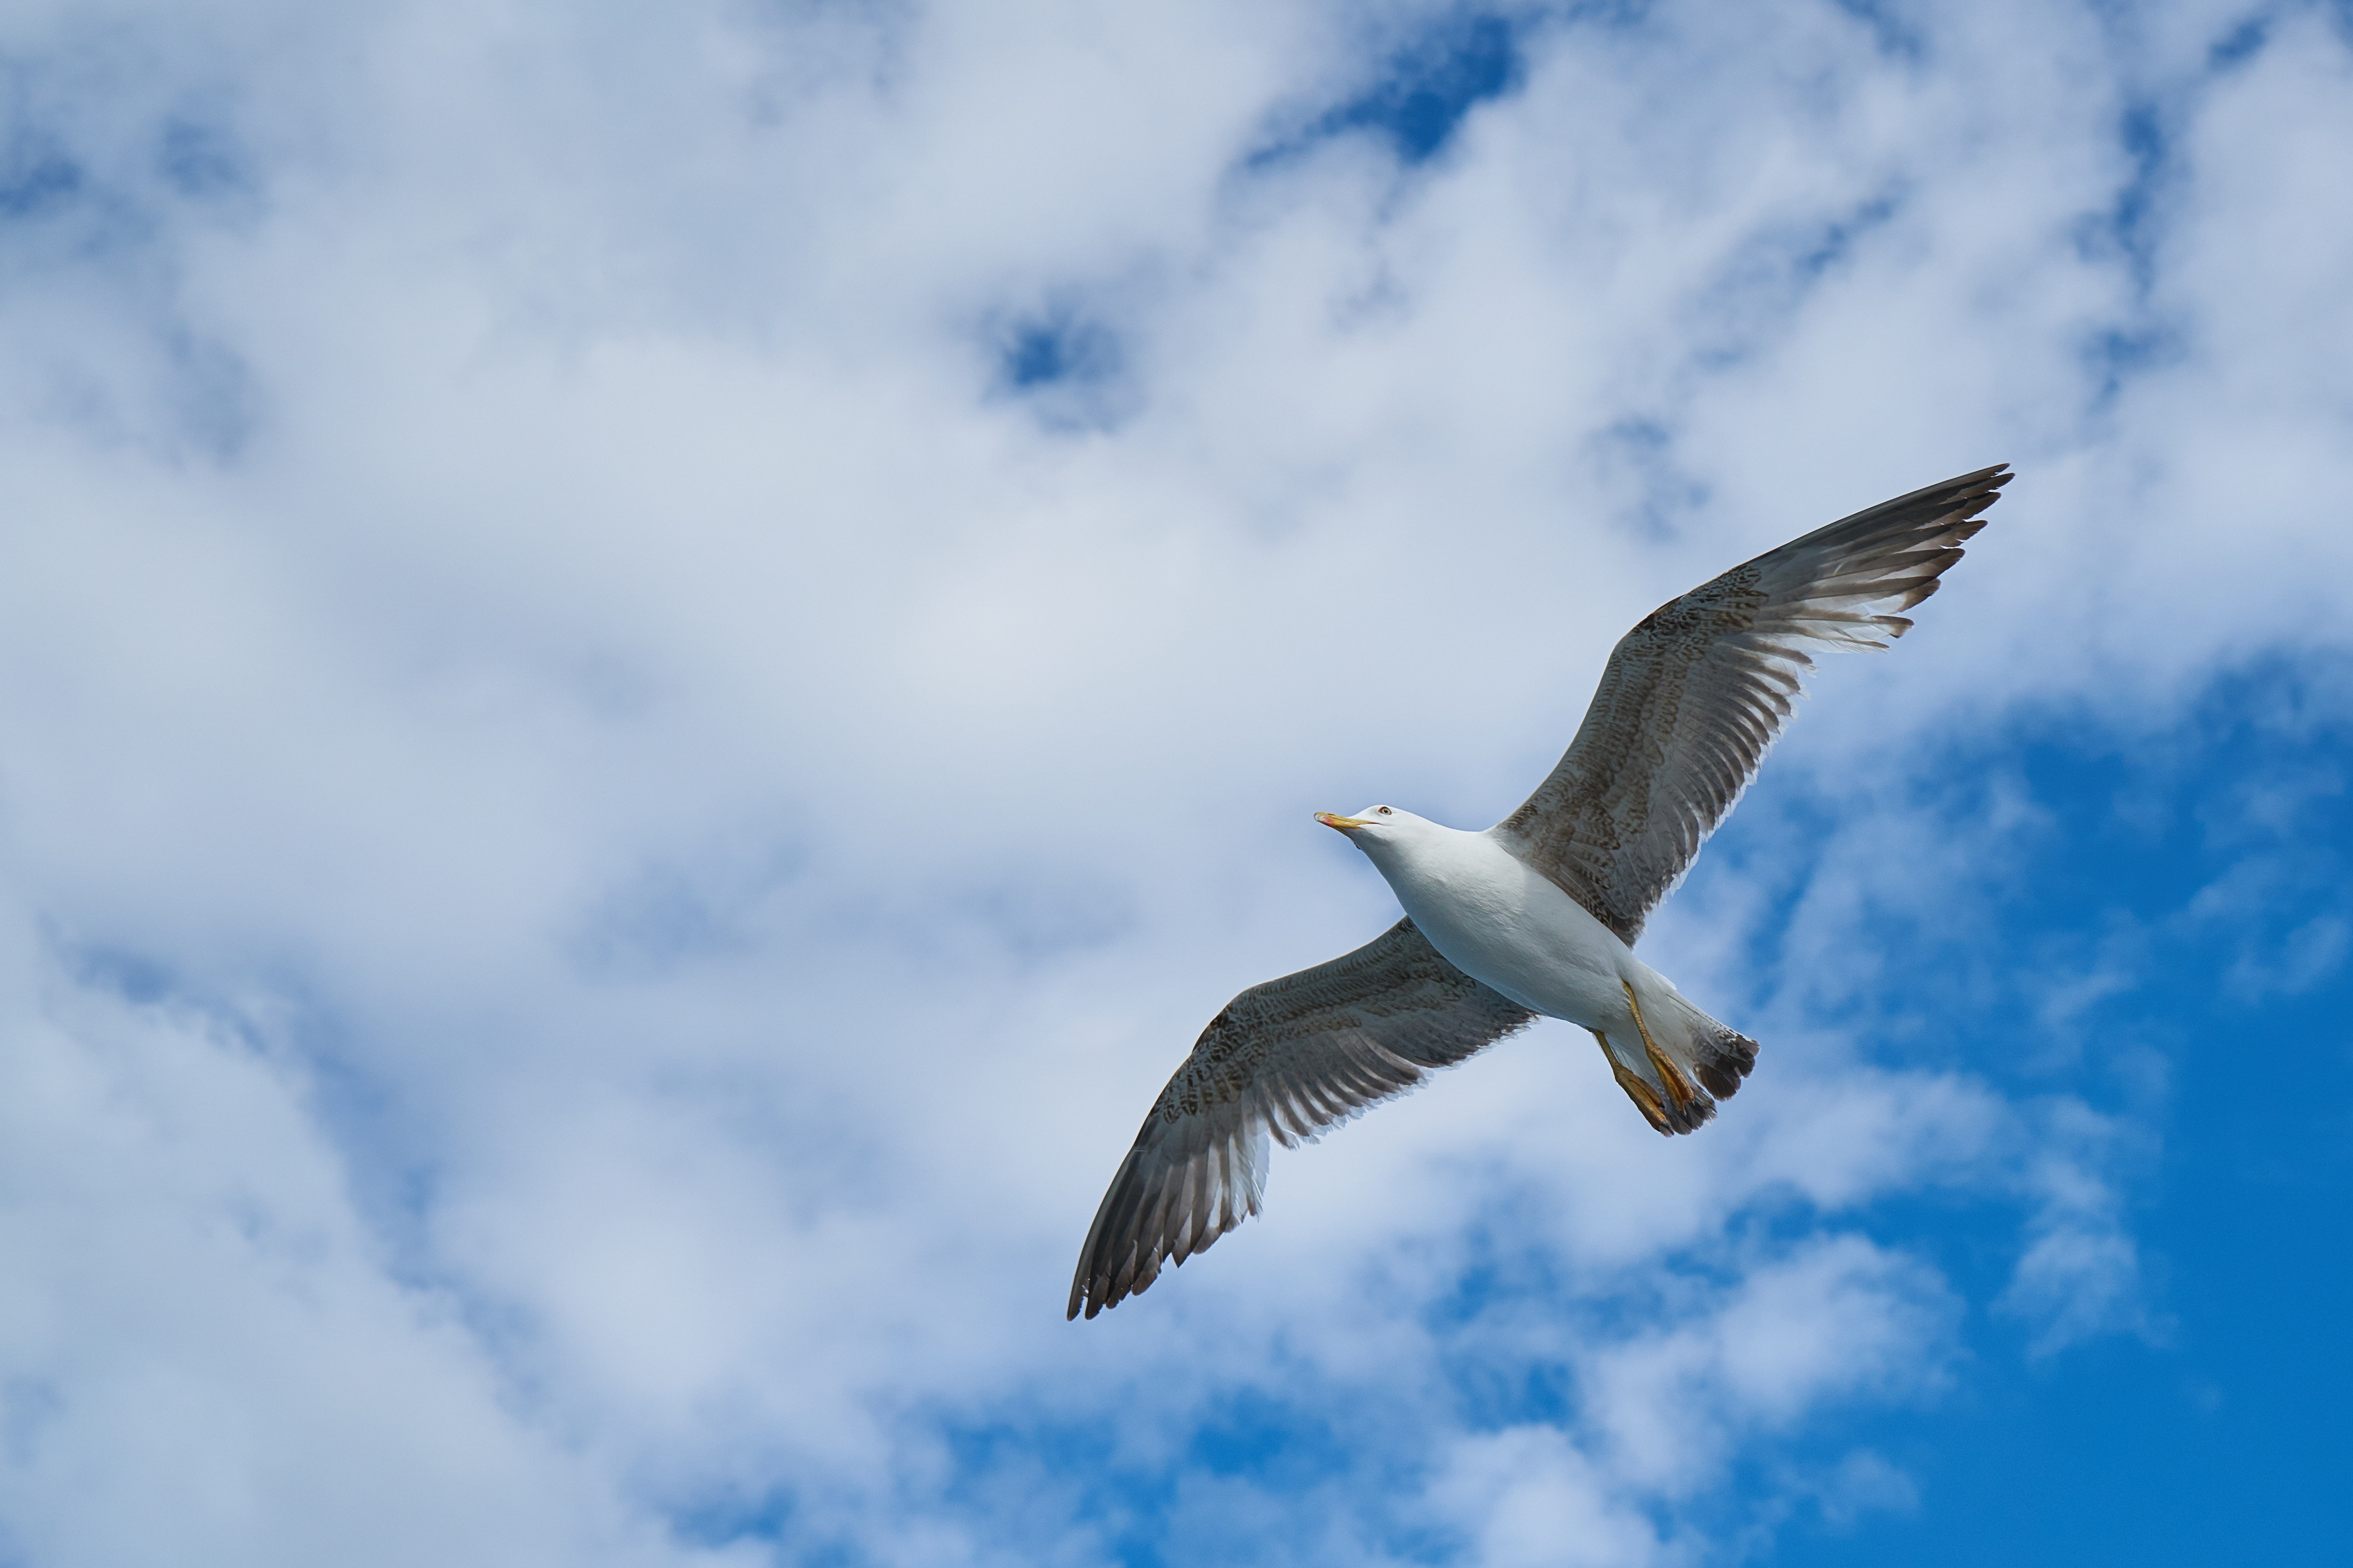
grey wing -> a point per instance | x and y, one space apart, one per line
1698 691
1288 1058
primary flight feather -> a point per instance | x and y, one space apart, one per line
1539 913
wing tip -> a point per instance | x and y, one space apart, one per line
1987 478
1960 499
1151 1220
1972 493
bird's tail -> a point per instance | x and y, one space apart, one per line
1673 1061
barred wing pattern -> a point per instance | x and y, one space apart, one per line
1698 691
1290 1058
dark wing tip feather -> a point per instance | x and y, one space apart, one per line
1156 1211
1920 593
1924 518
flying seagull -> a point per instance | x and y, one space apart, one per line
1538 914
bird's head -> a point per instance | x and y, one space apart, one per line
1374 829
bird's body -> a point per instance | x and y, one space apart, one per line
1506 925
1539 914
1501 922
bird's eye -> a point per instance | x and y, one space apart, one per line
1384 811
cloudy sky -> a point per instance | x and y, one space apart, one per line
656 660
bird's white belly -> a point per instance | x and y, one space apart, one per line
1500 923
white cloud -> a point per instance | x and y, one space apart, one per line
204 1344
2080 1276
1527 1496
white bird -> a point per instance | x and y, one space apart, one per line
1539 913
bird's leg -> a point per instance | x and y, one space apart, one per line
1679 1088
1645 1098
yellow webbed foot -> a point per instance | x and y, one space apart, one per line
1645 1098
1679 1088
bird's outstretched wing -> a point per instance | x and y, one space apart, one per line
1695 694
1288 1058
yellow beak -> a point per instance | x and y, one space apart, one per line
1332 819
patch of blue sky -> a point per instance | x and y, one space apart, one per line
1834 241
1895 35
1428 86
764 1516
2148 143
2241 44
1269 1453
1059 349
136 977
202 160
2113 356
1068 367
52 189
158 377
2199 1440
1435 82
36 181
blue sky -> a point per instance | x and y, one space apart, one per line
654 665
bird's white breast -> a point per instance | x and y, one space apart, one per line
1500 921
